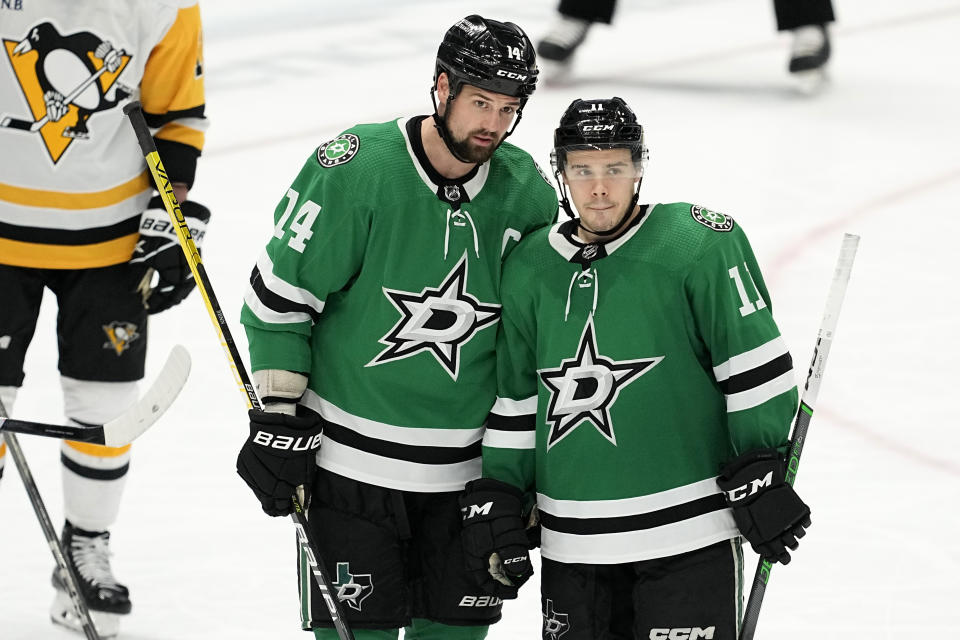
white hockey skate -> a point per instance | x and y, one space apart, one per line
809 54
107 599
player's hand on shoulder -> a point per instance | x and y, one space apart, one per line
768 512
278 456
168 278
495 543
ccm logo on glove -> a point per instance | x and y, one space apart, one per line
754 485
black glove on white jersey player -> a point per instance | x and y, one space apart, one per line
769 513
279 456
159 249
495 542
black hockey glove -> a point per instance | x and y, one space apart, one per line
159 250
279 455
767 510
494 537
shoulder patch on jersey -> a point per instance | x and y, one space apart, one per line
542 174
338 151
711 219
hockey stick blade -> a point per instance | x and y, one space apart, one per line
132 423
16 123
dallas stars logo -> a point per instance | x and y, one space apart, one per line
554 624
584 388
711 219
437 321
352 588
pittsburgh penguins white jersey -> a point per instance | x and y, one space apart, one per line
72 179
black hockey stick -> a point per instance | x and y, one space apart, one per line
130 424
305 537
66 572
828 326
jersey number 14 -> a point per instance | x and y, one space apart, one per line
302 222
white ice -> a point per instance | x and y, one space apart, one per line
874 153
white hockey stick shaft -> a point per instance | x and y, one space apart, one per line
828 326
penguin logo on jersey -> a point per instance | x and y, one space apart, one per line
120 335
554 624
352 588
439 321
584 388
64 79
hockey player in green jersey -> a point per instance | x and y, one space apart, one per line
644 393
372 315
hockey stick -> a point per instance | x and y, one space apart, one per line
31 126
305 537
828 326
67 574
130 424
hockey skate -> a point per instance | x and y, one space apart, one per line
808 57
556 49
88 552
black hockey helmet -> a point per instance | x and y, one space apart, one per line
591 125
606 123
492 55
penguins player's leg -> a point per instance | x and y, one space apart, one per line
102 329
21 290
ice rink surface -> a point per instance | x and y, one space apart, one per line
874 153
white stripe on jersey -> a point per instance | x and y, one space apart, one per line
283 288
750 359
416 436
645 544
758 395
508 407
395 474
499 439
268 315
628 506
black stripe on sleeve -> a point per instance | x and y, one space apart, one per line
758 375
397 451
525 422
157 120
620 524
277 302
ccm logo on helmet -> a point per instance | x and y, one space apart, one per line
287 442
685 633
510 74
598 127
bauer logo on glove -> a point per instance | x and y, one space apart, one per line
168 278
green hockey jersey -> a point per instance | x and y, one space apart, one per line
629 373
382 283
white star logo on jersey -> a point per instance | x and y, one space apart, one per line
439 321
584 388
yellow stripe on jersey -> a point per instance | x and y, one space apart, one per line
3 449
175 58
175 132
56 256
98 450
63 200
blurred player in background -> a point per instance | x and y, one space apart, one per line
806 19
77 218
